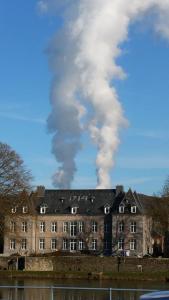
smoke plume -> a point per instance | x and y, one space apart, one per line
83 59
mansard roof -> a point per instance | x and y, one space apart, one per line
90 202
87 201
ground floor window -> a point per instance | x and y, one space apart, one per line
73 245
41 244
133 244
94 244
81 245
12 244
53 244
121 244
65 244
23 244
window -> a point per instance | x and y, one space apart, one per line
53 226
72 245
24 209
23 244
133 244
73 228
94 226
94 244
65 227
13 210
12 244
24 227
65 244
107 210
42 226
133 209
133 227
43 208
74 210
107 245
53 244
41 244
12 226
81 244
121 209
106 227
121 244
81 226
121 226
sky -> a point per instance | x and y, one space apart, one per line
142 159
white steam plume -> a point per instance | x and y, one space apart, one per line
83 60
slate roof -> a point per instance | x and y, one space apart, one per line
87 201
91 202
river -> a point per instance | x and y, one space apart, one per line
40 289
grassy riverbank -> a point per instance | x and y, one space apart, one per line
141 276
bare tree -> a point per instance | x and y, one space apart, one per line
14 177
165 188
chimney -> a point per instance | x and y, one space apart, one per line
119 189
40 190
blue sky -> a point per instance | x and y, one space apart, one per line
142 161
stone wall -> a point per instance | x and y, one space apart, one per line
95 264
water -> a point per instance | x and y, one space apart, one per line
43 293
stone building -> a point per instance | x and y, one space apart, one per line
105 222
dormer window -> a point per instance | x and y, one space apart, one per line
107 210
74 210
13 210
24 209
133 209
43 208
121 209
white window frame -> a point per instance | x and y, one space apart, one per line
41 244
81 226
12 245
53 244
65 244
24 226
133 227
74 210
107 209
12 226
23 244
53 226
94 226
121 226
133 209
73 245
133 244
121 209
121 244
42 226
13 210
94 245
81 245
65 227
43 209
25 209
73 228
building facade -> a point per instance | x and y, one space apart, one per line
105 222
